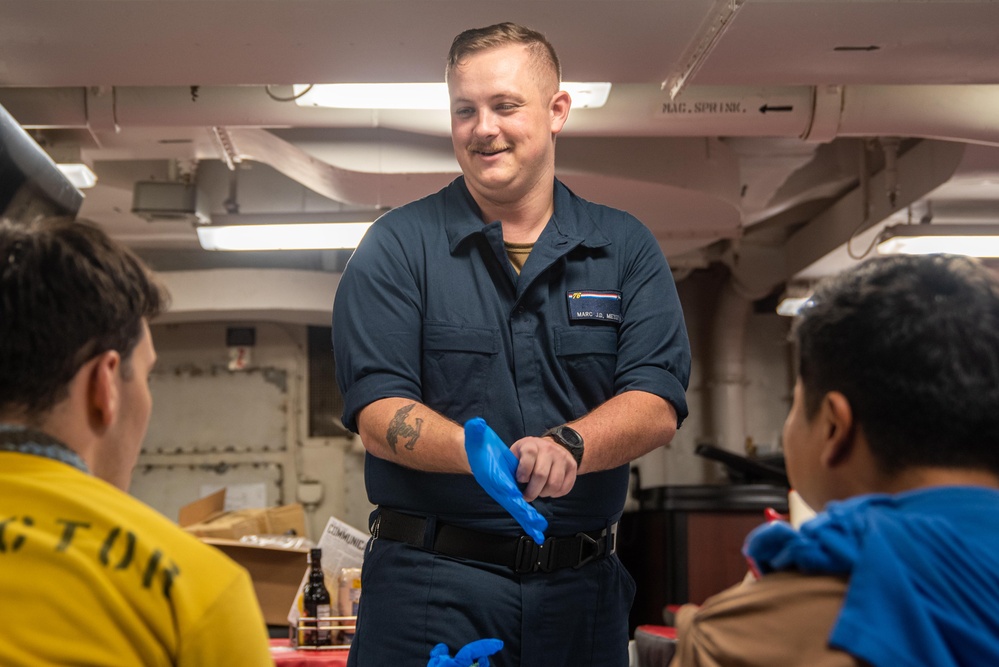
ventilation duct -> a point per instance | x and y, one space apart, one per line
815 113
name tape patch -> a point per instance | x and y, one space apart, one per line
603 306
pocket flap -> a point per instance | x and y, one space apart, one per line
585 341
439 336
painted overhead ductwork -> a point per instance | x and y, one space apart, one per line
301 297
814 113
727 374
373 189
640 113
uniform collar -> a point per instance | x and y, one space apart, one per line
14 438
571 224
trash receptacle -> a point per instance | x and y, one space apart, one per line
684 543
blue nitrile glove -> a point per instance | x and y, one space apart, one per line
495 467
479 650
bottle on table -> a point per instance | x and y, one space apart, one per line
316 602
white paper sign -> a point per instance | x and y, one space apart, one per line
239 496
342 545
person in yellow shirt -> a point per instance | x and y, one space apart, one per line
88 574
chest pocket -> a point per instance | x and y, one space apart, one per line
458 363
588 357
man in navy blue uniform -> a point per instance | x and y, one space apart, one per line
504 296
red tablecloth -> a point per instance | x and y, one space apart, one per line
655 645
285 656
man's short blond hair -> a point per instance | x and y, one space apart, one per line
504 34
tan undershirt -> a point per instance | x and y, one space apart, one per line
518 252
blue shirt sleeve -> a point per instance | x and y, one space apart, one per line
377 324
653 348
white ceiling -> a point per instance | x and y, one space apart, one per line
766 161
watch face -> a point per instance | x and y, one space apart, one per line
570 437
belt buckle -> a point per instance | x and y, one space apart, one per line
532 557
585 539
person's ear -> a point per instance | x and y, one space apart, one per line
103 396
559 107
838 429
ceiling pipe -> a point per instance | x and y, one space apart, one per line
376 189
952 112
728 369
922 169
815 114
301 297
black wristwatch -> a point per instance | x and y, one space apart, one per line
568 438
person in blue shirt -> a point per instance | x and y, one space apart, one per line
894 434
508 297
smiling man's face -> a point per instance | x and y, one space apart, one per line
502 123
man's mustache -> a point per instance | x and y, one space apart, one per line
487 148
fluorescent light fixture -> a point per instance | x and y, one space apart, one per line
288 236
419 95
79 175
796 296
792 305
975 240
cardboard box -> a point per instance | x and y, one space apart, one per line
276 574
276 571
206 517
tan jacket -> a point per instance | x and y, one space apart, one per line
785 618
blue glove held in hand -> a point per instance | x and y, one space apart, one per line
479 650
494 467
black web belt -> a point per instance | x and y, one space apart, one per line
521 554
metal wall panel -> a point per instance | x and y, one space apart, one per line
170 487
209 410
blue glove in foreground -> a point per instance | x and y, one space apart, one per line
466 657
494 467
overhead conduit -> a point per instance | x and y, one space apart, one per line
375 189
957 113
815 113
727 375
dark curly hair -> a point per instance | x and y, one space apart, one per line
913 344
67 293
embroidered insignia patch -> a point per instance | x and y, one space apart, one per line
594 305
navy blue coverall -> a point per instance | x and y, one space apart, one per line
430 308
